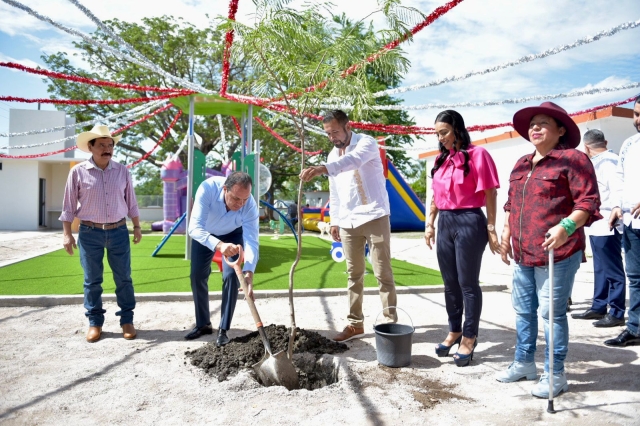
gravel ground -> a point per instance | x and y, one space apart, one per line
50 375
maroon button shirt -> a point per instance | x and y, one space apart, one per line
539 197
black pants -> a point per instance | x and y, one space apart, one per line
460 244
201 258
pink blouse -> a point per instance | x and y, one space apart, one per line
452 190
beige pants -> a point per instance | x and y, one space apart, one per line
377 234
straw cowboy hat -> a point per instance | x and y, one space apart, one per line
522 118
82 141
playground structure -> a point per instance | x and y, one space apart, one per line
174 179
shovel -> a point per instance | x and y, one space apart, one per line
271 369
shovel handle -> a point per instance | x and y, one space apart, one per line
236 267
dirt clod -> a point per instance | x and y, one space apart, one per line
244 351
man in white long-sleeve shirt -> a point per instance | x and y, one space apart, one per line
359 207
626 196
609 282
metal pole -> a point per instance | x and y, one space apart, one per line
550 408
187 249
250 127
243 140
256 168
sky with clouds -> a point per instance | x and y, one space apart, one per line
474 35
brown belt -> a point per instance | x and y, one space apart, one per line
104 226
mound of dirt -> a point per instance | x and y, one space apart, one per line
244 351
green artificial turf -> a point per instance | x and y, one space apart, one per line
59 273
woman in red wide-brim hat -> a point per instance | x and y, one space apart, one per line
552 191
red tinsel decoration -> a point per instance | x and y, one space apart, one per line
93 82
89 101
120 130
389 46
228 41
235 121
46 154
146 117
631 99
283 140
162 138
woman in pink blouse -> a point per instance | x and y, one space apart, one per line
465 179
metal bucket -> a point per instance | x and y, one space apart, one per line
393 342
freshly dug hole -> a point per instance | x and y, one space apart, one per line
244 351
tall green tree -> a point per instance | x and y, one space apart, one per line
299 58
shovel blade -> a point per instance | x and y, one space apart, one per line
277 370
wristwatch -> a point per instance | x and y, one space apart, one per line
491 228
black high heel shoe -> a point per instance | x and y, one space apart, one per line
463 360
442 350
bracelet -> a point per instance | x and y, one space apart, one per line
430 226
137 227
569 225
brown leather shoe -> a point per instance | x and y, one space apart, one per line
93 335
349 332
129 331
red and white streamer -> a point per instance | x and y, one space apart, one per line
432 17
283 140
133 112
522 60
91 81
228 41
88 101
162 138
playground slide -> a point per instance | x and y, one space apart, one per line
407 210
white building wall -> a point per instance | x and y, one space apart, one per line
19 195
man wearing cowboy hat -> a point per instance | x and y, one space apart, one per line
100 193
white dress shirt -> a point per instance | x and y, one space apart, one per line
605 165
626 191
357 186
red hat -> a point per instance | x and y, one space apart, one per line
522 118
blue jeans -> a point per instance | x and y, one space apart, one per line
631 244
91 243
530 291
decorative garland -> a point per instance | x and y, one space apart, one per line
120 120
88 101
613 104
591 91
228 41
433 16
235 121
113 51
522 60
145 118
283 140
311 128
46 154
93 82
140 109
162 138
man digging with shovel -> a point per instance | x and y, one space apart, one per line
224 217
